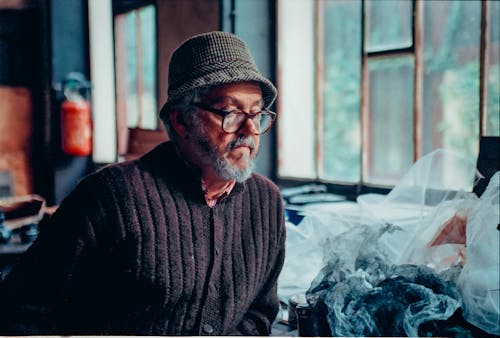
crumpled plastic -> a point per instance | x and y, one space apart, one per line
304 258
423 201
368 296
427 213
479 282
412 205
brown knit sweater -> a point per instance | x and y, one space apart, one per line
135 250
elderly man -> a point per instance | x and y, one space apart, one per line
183 241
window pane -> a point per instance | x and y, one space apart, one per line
296 85
389 137
341 90
493 74
135 53
131 57
148 97
451 76
390 24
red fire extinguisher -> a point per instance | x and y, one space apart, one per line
76 120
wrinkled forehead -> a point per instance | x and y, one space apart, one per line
248 93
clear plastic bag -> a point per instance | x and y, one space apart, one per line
479 282
425 199
428 212
304 253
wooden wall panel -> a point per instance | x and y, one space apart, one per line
177 21
16 129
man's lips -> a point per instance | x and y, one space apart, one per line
242 146
242 149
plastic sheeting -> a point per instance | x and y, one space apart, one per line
368 296
479 282
304 257
427 202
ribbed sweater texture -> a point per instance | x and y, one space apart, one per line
135 250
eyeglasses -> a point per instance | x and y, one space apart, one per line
233 120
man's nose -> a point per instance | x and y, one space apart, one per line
249 127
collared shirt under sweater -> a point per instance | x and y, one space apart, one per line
135 250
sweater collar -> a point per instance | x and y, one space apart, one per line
166 161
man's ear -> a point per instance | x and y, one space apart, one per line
178 123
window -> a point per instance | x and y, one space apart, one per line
368 87
492 71
135 48
136 80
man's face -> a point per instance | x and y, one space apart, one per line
230 155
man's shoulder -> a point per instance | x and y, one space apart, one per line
264 182
154 158
115 175
125 168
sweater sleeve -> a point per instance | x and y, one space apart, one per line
36 296
263 310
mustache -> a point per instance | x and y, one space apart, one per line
241 141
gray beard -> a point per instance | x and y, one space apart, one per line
226 171
219 163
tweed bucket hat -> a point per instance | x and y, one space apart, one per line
212 59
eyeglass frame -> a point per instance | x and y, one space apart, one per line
223 113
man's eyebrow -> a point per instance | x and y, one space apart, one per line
234 101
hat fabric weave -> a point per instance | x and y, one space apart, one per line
212 59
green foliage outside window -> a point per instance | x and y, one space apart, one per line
493 107
451 67
342 92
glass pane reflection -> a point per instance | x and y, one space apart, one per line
389 137
493 71
342 90
390 24
451 77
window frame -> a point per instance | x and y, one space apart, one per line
134 141
352 190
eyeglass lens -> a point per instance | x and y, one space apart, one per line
234 121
